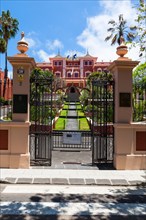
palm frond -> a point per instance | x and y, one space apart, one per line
114 39
108 37
111 29
112 22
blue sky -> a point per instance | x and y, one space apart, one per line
70 26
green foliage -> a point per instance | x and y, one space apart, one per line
85 95
2 45
139 113
120 30
2 101
99 76
8 26
139 75
140 28
139 93
38 73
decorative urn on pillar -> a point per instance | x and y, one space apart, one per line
22 45
122 49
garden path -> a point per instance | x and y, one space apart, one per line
72 123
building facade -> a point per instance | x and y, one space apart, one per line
7 94
72 73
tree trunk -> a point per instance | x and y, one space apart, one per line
5 74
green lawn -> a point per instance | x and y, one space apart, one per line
83 124
60 124
78 107
64 113
66 106
80 113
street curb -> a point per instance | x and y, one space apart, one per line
73 181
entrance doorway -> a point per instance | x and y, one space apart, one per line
72 90
96 143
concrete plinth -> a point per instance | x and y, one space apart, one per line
17 154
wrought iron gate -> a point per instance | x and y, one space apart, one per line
71 140
41 120
102 120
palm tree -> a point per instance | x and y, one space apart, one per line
8 29
120 30
2 45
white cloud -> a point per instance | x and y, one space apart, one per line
72 52
31 42
55 44
43 56
92 37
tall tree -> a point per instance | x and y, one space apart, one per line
119 29
8 30
140 28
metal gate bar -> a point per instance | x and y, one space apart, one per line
41 120
71 140
102 120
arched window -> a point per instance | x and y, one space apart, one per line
69 74
99 70
87 74
58 74
76 74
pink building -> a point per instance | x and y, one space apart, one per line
75 70
8 90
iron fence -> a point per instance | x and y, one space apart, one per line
71 140
139 102
6 100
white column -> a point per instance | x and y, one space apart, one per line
81 68
64 68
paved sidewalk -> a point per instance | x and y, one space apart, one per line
73 177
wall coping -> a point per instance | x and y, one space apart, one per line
131 125
14 124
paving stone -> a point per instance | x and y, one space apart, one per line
134 182
90 181
58 166
41 181
10 180
119 182
24 180
2 187
103 182
144 177
62 181
70 166
76 181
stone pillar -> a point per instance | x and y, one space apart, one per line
18 148
22 67
122 71
124 146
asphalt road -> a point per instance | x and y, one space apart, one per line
61 202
